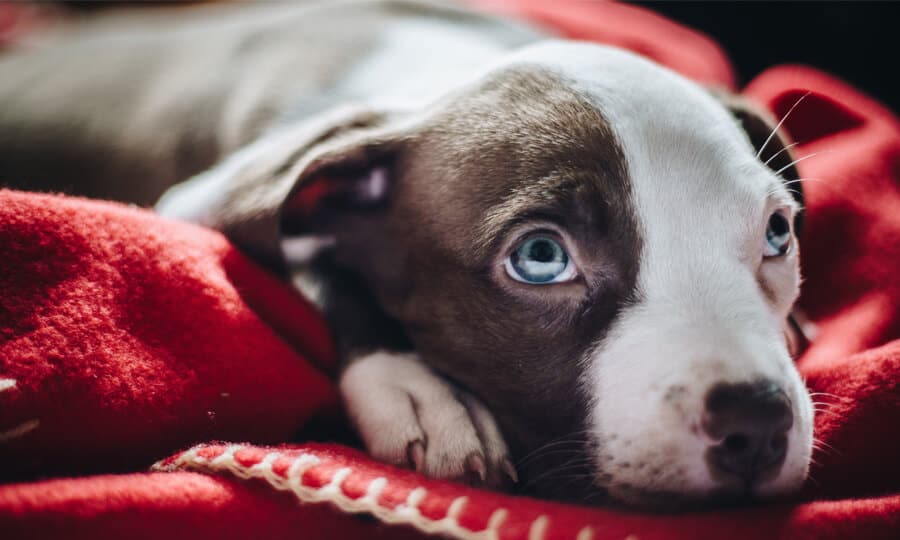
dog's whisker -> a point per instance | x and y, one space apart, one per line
562 457
555 452
824 407
568 439
825 445
575 466
552 445
813 480
799 180
798 160
779 124
571 465
821 405
787 183
826 394
778 153
824 404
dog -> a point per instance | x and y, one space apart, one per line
548 264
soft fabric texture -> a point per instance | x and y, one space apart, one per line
125 337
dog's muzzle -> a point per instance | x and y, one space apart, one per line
748 426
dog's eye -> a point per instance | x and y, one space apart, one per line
540 260
778 236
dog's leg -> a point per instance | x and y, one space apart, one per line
409 416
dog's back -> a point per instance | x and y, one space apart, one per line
125 105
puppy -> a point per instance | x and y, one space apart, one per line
546 262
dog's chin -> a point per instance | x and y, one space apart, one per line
633 498
607 492
730 495
638 499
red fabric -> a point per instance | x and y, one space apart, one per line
129 336
690 53
123 331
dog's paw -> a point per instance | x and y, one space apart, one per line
408 415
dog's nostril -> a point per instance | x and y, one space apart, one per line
750 421
736 443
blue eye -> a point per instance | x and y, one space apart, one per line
778 236
540 260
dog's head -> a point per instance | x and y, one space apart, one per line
591 244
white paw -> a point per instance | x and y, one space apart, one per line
408 415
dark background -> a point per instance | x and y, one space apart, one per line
857 41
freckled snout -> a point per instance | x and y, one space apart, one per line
748 424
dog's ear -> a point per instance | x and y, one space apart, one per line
268 189
771 144
774 150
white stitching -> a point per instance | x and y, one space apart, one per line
6 384
410 509
18 431
374 490
495 522
407 513
334 487
265 466
538 528
456 507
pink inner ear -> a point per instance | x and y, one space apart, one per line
367 188
303 202
816 117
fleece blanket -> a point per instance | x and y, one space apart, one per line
127 339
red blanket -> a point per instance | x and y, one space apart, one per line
125 337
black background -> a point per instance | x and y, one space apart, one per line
857 41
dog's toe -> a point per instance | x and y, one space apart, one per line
407 415
383 412
499 470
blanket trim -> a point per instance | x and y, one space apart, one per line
223 460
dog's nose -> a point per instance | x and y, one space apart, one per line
750 422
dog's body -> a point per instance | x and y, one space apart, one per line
553 253
163 96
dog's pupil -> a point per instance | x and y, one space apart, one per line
542 251
778 224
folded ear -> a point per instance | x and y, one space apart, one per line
344 156
771 144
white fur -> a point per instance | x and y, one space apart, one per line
395 401
702 316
